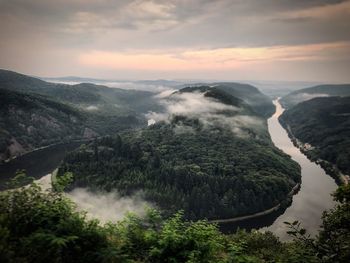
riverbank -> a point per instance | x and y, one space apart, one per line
331 169
36 163
258 214
42 148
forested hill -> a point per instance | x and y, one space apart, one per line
261 103
324 123
86 96
29 121
219 95
35 113
211 156
301 95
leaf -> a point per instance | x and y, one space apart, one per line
302 231
293 233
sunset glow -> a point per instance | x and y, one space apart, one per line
284 40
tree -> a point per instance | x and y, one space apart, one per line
334 238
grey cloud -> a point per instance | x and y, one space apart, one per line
37 32
174 23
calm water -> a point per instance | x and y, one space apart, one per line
316 187
38 163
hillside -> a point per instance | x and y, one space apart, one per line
85 96
301 95
211 156
324 124
35 113
29 121
259 102
41 226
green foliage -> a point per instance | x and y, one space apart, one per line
35 113
43 227
299 233
19 180
342 194
37 226
333 242
207 172
334 238
30 121
60 183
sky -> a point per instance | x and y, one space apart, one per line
289 40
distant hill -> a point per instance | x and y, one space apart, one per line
211 157
301 95
260 103
29 121
215 93
100 98
35 113
324 124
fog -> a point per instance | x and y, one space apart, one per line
91 108
309 96
208 111
152 86
300 97
108 206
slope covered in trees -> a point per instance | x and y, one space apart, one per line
301 95
259 102
29 121
37 226
85 95
102 110
324 124
35 113
210 156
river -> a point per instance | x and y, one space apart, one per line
316 186
37 163
307 205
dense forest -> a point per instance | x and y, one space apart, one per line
259 102
218 163
301 95
323 123
35 113
38 226
86 96
29 121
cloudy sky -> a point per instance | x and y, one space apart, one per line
305 40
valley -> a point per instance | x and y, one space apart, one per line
210 155
172 131
209 146
218 152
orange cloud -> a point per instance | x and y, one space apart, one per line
216 59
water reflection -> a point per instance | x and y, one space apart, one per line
37 164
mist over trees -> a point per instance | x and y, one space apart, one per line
44 226
211 156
